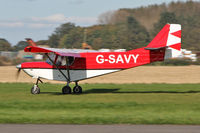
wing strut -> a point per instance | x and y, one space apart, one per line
68 79
67 61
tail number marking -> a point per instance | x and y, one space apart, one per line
117 59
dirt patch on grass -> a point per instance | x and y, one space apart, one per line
143 74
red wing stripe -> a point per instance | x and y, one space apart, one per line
36 49
46 50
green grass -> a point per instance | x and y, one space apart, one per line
101 104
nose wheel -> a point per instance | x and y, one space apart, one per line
35 89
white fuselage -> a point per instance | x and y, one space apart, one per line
75 75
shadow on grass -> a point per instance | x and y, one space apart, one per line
117 90
100 91
92 91
52 93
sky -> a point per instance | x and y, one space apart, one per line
37 19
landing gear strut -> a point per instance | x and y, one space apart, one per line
35 89
66 89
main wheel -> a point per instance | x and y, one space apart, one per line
35 89
66 90
77 90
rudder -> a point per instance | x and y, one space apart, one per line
173 47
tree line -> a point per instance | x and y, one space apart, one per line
128 28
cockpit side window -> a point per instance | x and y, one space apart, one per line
53 57
60 60
70 60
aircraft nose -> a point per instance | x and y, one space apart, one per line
19 66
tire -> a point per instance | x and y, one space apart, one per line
77 90
35 90
66 90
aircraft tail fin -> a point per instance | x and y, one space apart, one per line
169 38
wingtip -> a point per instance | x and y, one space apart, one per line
30 42
27 39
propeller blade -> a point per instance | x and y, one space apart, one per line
18 72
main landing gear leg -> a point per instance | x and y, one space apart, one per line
67 89
77 89
35 89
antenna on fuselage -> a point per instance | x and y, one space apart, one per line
84 44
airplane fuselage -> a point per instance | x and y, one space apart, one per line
93 64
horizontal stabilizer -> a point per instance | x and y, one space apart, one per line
148 48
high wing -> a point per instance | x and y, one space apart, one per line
61 52
75 53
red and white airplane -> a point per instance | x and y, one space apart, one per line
73 65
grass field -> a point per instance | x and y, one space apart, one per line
101 104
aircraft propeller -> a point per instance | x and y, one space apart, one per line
18 71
